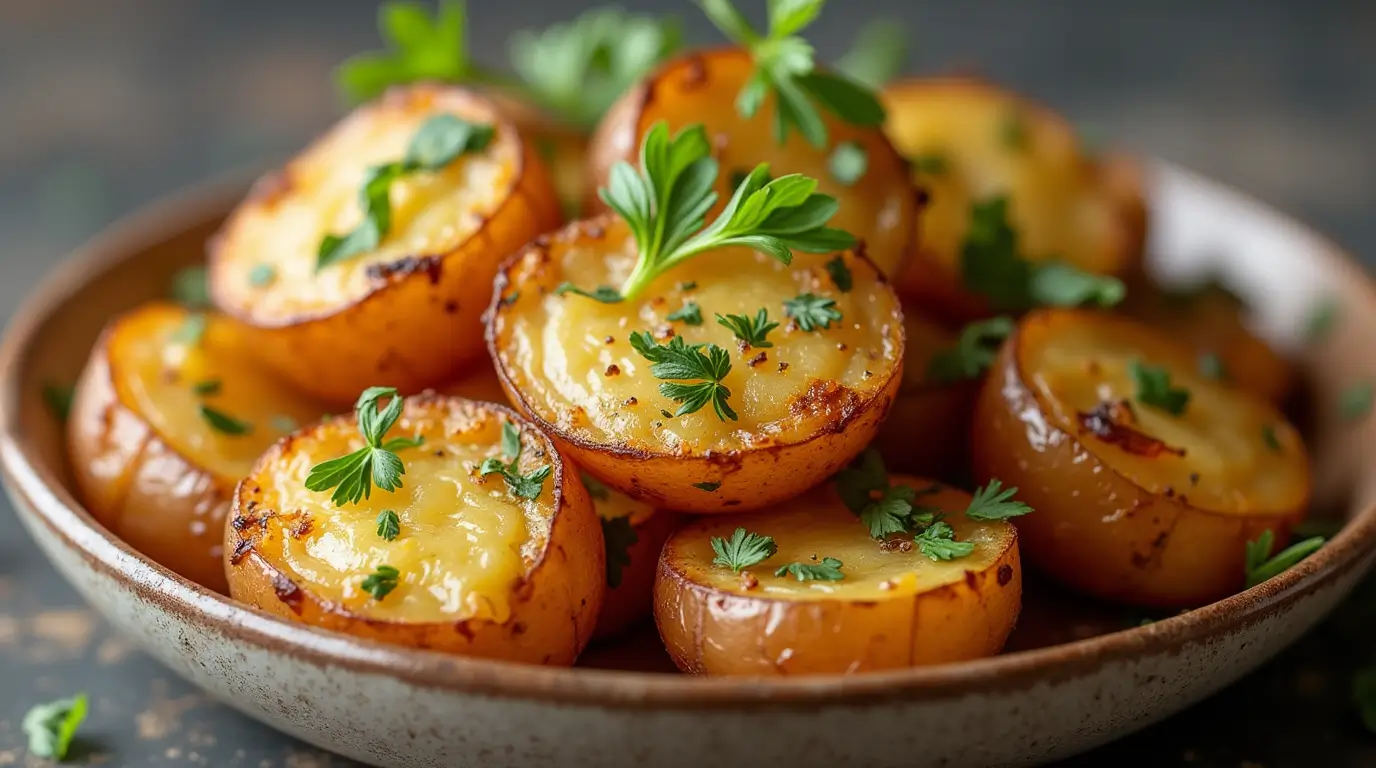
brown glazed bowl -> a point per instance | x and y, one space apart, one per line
1073 677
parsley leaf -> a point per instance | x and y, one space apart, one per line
59 399
885 509
1354 403
603 293
812 312
784 66
742 550
223 422
525 486
1259 565
438 142
840 274
352 476
688 314
707 486
207 387
418 48
1154 388
878 54
848 162
388 525
827 570
1056 284
190 287
938 541
381 581
1211 366
974 351
618 536
750 331
994 502
51 726
704 364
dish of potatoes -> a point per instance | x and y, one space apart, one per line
811 376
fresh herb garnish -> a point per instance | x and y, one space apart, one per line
688 314
418 48
603 293
1259 565
707 486
784 66
703 364
191 288
525 486
994 502
1354 403
751 331
883 508
51 726
848 162
59 399
381 581
262 275
827 570
742 550
191 331
1154 388
938 541
352 476
811 312
878 54
223 422
1211 366
1321 320
207 387
388 525
439 141
973 353
1057 284
840 274
1268 435
618 536
688 285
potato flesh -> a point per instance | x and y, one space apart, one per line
1075 361
154 373
603 391
465 542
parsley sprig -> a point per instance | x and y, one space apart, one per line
525 486
618 536
994 502
785 67
974 351
1259 565
1154 388
753 331
742 550
381 581
829 569
352 476
51 726
705 365
811 312
419 47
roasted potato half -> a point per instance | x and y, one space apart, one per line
893 607
970 142
562 147
880 207
805 405
150 465
633 533
477 570
1148 478
409 310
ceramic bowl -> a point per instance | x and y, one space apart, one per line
1060 691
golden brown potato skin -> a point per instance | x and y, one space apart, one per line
553 609
632 601
420 322
880 208
1094 529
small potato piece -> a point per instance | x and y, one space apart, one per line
1134 504
895 608
880 207
634 533
410 311
482 572
971 141
148 465
807 405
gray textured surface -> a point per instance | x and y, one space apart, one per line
107 104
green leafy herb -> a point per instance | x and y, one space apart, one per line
827 570
1259 565
742 550
938 541
1154 388
784 66
666 200
994 502
848 162
381 581
751 331
438 142
878 54
1061 285
1013 132
223 422
59 399
388 525
1268 435
191 331
890 509
262 275
1211 366
207 387
190 288
974 351
930 163
706 486
283 423
1321 320
688 285
352 476
688 314
418 48
603 293
524 486
618 536
840 274
1354 403
596 489
50 727
812 312
705 365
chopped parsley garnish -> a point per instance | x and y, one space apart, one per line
524 486
262 275
974 351
190 287
1211 366
1321 320
603 293
1354 403
1268 435
827 570
618 536
742 550
811 312
388 525
688 285
191 331
1259 565
1058 284
707 486
848 162
688 314
440 140
840 274
751 331
352 476
938 541
930 163
665 203
878 54
207 387
703 365
994 502
223 422
784 66
883 508
418 48
596 489
50 727
59 399
381 581
1154 388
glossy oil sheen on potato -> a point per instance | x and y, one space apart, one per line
893 609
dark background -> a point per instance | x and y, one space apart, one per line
105 105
